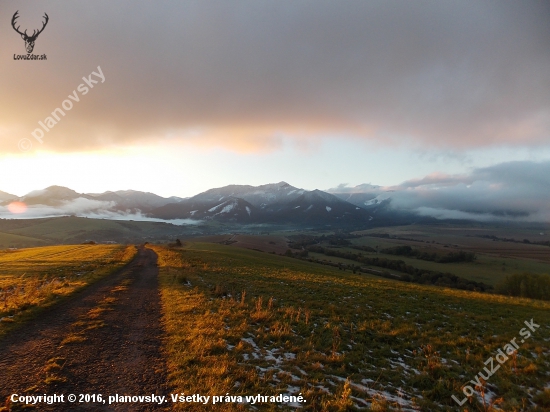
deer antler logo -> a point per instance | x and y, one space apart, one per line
29 40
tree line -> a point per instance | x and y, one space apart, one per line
408 272
451 257
526 285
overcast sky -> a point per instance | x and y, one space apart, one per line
201 94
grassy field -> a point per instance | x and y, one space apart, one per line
468 238
73 230
487 269
9 239
242 322
264 243
31 279
494 260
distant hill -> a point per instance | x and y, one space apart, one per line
59 200
317 207
7 197
226 208
51 196
269 204
71 230
364 195
133 199
277 203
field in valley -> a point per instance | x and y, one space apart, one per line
496 241
499 251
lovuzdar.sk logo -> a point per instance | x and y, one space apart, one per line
29 40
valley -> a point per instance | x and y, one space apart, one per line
300 294
240 314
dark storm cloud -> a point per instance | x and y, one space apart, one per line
506 191
454 74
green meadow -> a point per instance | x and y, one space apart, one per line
245 322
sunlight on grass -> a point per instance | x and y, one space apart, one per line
37 277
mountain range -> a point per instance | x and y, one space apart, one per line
276 203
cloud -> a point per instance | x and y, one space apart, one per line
236 140
436 179
457 214
83 207
79 206
507 191
455 74
363 188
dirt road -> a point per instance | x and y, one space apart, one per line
105 340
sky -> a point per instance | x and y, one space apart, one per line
181 97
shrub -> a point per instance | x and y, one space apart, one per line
526 285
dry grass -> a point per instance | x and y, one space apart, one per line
73 338
31 279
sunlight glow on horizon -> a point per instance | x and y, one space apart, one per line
17 207
173 168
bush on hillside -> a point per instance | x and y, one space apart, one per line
526 285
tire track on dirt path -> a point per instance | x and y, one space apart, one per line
106 340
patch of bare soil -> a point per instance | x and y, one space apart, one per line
105 340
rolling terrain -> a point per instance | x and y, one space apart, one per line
71 229
257 323
246 314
